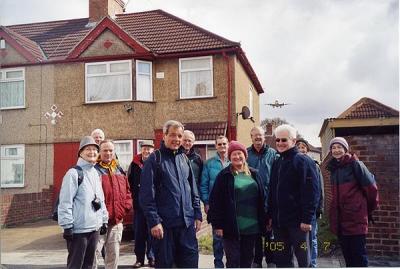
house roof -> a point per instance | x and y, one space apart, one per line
207 130
162 33
30 49
365 111
368 108
158 30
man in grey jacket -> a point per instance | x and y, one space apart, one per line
81 211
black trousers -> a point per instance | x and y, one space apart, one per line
81 250
263 248
178 248
289 240
240 252
354 250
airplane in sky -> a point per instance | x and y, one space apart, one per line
277 104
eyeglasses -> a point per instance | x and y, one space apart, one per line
283 140
221 144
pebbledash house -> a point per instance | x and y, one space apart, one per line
124 73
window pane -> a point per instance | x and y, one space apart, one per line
124 152
196 84
11 151
111 87
119 67
11 94
14 74
196 64
144 68
96 69
1 75
143 88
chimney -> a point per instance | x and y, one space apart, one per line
98 9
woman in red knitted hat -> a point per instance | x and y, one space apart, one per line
238 207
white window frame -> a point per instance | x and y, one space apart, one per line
4 79
2 44
192 70
3 157
151 79
108 63
120 153
251 101
139 143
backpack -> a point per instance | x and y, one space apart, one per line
80 179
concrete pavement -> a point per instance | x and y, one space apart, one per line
40 245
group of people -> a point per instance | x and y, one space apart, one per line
254 198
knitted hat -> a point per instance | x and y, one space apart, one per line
87 141
235 145
341 141
302 140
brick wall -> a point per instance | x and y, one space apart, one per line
25 207
380 153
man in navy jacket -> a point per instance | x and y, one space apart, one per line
292 200
170 202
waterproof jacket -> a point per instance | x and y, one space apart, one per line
320 207
134 172
262 161
222 212
294 191
197 165
211 169
354 196
75 209
168 194
117 194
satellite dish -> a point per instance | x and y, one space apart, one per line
245 113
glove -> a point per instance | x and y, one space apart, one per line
68 234
103 229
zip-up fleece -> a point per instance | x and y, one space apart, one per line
75 209
293 192
222 213
168 192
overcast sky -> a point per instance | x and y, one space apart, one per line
321 56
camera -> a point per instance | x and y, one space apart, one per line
96 203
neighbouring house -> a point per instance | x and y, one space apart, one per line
372 131
124 73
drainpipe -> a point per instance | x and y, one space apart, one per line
229 85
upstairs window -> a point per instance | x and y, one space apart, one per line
108 81
12 88
196 78
144 91
12 164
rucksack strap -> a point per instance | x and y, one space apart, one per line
80 174
121 170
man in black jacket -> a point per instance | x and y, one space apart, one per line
194 158
292 200
142 235
170 202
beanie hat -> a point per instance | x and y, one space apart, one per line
87 141
341 141
235 145
302 140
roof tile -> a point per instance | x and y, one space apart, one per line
207 130
368 108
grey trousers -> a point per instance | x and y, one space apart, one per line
81 250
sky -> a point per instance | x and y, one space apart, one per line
320 56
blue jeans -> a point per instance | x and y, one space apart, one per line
218 249
143 240
314 242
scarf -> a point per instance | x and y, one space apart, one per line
111 166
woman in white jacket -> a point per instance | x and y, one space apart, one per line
81 211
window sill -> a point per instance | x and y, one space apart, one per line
196 98
12 108
114 102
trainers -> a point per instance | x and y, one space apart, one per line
138 265
152 263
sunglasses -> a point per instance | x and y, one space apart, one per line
283 140
221 144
